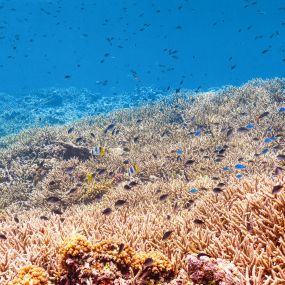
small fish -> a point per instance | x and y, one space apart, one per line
242 130
121 248
57 211
53 199
44 218
107 211
278 170
109 128
270 139
221 184
217 190
3 237
163 197
89 177
281 110
226 168
127 187
69 170
281 157
197 133
277 188
263 115
240 166
193 190
71 130
92 135
189 162
229 132
250 126
133 183
16 219
239 176
179 151
264 151
198 222
78 140
133 169
98 151
120 203
166 235
148 262
203 254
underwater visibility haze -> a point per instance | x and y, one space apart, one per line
142 142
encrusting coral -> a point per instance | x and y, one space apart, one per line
210 172
30 275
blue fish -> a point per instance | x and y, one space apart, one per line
270 139
282 109
239 176
264 151
250 126
179 151
240 166
197 133
193 190
226 168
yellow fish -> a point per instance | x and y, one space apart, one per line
89 177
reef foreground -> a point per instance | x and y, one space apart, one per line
186 191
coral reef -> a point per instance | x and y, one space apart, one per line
30 275
210 180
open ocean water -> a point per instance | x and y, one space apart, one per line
142 142
63 60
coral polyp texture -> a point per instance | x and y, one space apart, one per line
30 275
189 190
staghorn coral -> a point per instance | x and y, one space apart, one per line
30 275
243 223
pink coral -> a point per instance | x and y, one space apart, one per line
204 269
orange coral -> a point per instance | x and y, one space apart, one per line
110 250
75 246
30 275
160 265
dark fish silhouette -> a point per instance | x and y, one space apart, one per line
277 188
3 237
198 222
148 262
69 131
203 254
120 203
57 211
109 128
263 115
166 235
44 218
163 197
107 211
281 156
217 190
53 199
121 248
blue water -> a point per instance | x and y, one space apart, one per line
115 47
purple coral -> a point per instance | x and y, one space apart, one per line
204 269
